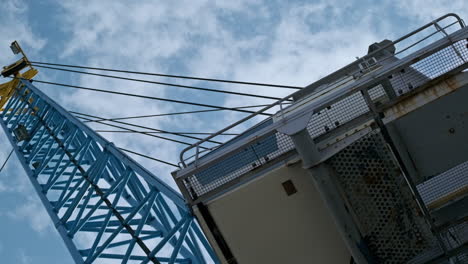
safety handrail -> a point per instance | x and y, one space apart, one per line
279 102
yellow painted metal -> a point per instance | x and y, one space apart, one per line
7 89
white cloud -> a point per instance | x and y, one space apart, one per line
23 257
294 44
3 187
27 207
139 37
15 27
32 211
426 10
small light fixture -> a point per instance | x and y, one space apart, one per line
289 187
15 47
21 133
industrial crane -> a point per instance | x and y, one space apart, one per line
368 164
103 204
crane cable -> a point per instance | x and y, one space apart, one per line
169 75
154 132
175 113
38 64
41 65
160 83
148 97
5 162
148 157
84 116
147 134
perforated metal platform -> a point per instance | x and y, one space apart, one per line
387 214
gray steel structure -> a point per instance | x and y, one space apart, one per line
383 140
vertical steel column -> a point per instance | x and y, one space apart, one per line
323 179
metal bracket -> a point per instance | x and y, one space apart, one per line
292 127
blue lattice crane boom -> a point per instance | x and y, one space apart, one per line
103 203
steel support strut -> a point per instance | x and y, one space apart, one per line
323 179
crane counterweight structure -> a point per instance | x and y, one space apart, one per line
347 169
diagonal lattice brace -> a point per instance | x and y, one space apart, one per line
103 204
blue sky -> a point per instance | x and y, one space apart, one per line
285 42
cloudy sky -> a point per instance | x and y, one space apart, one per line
283 42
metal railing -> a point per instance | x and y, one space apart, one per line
362 59
330 108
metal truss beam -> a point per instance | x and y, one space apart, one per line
106 207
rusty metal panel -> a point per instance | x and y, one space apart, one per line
373 185
435 134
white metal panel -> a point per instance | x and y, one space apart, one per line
262 224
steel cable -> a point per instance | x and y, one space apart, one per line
169 75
